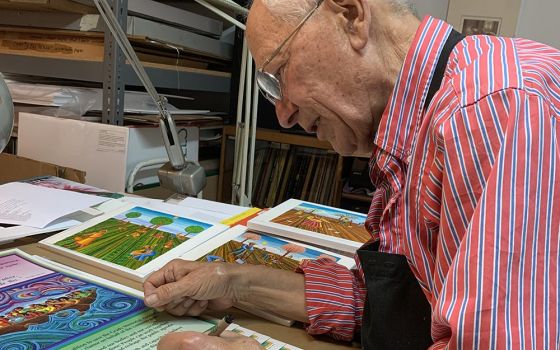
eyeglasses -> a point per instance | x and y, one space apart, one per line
268 83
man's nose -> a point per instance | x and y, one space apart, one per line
285 111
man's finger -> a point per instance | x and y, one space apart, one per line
149 288
180 307
197 308
191 341
169 292
171 272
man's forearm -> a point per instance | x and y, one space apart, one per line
277 291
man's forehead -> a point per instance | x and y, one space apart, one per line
265 31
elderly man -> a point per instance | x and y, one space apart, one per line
464 137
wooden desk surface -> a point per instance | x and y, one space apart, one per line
291 335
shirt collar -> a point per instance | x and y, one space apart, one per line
402 116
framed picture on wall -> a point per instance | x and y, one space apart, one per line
480 25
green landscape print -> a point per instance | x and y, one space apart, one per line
134 238
259 249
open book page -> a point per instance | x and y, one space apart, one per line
46 307
134 240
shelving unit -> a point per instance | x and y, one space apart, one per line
67 43
275 136
91 71
113 72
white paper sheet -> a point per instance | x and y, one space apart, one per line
221 210
8 234
35 206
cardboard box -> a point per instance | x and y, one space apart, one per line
47 5
87 46
53 45
108 153
14 168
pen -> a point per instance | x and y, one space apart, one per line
222 325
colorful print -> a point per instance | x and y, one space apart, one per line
259 249
50 311
326 220
135 237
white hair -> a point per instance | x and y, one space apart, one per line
292 11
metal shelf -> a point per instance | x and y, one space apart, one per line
169 14
135 26
114 73
91 71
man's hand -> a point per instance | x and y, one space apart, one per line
199 341
187 288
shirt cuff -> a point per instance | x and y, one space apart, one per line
334 299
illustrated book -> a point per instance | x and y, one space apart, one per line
134 240
242 246
316 224
47 306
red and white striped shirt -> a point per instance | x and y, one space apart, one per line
469 191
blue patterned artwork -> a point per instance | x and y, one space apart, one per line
53 310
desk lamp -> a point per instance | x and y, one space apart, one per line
6 114
178 175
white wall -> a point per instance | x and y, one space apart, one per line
538 20
435 8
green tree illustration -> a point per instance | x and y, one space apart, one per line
133 215
159 221
194 229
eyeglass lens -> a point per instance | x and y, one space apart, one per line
269 85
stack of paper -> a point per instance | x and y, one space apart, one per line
227 214
36 206
81 100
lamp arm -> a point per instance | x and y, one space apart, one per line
166 124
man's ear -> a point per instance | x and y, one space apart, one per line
355 17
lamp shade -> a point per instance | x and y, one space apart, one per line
6 114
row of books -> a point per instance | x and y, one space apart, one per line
284 171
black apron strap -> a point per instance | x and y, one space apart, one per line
452 40
397 314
